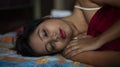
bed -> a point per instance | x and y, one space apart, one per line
9 58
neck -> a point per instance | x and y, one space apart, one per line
73 27
78 22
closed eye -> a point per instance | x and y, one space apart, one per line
45 33
50 47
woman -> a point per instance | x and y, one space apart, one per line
54 35
46 37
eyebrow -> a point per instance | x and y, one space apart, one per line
38 33
42 40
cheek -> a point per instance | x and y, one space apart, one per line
52 27
37 46
63 44
60 46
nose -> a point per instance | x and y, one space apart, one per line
55 37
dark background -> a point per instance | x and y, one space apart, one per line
14 13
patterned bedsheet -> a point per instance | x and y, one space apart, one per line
9 58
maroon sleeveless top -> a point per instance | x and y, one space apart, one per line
103 20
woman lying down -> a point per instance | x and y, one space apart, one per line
90 35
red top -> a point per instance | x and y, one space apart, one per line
103 20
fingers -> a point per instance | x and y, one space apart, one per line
72 43
74 50
71 49
72 46
84 36
73 53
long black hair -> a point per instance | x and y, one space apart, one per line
22 43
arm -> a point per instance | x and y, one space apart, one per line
99 59
111 34
115 3
93 43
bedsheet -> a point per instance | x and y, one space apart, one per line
9 58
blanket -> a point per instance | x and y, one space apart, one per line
9 58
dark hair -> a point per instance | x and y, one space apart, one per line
22 43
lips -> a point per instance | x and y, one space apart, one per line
62 34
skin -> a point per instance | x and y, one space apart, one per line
99 58
47 39
81 50
76 29
93 43
82 43
115 3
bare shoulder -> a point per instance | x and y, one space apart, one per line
115 3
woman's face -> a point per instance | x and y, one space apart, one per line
51 36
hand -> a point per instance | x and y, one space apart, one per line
77 46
